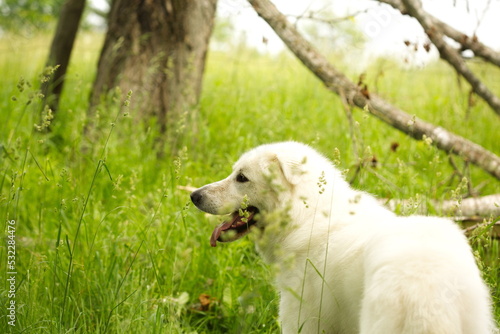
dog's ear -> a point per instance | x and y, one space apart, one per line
291 169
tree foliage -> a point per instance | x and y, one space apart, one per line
28 15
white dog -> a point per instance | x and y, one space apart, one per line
345 263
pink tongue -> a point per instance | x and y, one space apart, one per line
218 230
236 220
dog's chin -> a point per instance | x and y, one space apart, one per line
240 224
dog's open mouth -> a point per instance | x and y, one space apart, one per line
240 223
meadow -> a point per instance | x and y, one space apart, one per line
106 239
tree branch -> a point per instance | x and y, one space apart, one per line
467 42
484 207
414 8
472 213
331 22
337 82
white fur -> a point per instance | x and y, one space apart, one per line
345 264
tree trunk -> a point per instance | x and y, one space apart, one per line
60 50
337 82
157 50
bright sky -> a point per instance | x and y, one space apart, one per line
386 29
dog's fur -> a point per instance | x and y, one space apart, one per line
345 263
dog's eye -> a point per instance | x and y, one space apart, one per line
241 178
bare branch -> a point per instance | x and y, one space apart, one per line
472 213
414 8
337 82
311 16
473 207
495 228
467 42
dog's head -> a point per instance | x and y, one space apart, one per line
262 181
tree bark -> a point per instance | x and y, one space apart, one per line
341 85
157 50
60 50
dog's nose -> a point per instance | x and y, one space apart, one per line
196 197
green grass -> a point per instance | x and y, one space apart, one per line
107 241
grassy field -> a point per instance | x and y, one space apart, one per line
106 239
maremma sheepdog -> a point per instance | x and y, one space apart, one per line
344 263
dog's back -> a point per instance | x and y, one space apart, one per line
359 268
421 277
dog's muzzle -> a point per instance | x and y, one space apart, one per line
237 226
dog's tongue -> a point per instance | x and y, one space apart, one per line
218 230
222 227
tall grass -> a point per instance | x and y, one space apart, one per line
106 239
